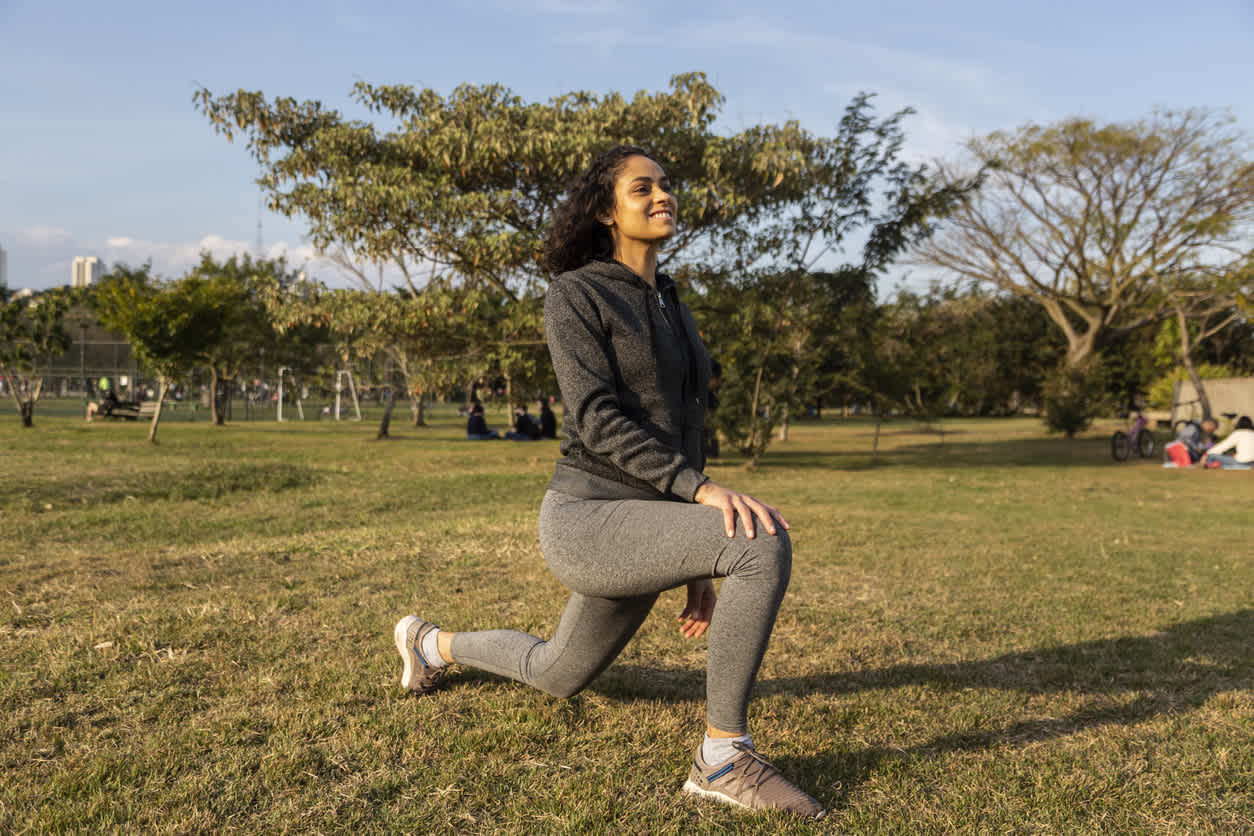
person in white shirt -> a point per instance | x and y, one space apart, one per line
1236 452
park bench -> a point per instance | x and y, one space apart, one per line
123 410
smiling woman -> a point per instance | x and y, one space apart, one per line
628 513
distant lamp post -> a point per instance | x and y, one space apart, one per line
82 358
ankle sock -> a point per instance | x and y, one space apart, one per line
718 749
431 651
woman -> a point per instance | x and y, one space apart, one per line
1236 452
628 513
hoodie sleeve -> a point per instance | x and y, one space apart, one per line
579 348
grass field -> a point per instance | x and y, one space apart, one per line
993 631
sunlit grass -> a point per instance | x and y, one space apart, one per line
993 630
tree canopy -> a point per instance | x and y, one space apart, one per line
31 334
1097 222
460 187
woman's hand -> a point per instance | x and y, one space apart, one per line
695 619
732 503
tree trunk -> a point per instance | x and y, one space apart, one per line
27 411
875 442
1186 359
216 405
387 416
156 413
420 419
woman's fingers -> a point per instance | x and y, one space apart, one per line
729 518
734 504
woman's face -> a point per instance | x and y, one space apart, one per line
644 208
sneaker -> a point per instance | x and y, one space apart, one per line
750 781
418 676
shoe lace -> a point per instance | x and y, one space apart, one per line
757 772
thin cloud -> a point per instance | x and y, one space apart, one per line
753 32
176 258
44 237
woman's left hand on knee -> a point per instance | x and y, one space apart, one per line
734 503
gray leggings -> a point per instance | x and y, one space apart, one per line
616 556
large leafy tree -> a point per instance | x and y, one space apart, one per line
776 304
170 325
32 333
432 338
1098 223
464 185
233 289
458 189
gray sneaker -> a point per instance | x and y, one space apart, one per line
750 781
418 676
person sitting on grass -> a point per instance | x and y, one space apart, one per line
477 426
1191 442
1240 443
628 513
525 427
548 421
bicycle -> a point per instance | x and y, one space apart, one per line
1137 437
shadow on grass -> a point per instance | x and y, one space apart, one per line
1129 681
1026 452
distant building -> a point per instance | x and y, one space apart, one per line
4 268
85 271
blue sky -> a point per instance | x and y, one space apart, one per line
102 152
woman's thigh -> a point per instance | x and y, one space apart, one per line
628 547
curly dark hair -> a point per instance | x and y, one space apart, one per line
1244 423
576 235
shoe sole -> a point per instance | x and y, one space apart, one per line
407 654
691 786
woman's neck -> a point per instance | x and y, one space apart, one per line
640 259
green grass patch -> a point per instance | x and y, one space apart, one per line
989 630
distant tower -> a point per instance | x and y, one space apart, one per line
85 271
4 268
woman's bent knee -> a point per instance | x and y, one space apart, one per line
766 559
560 688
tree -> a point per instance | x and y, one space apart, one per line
169 324
244 328
31 334
775 307
423 334
465 184
1094 222
1203 306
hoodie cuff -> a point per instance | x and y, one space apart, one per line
686 483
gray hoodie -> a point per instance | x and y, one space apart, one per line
634 376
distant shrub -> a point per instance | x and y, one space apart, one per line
1073 397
